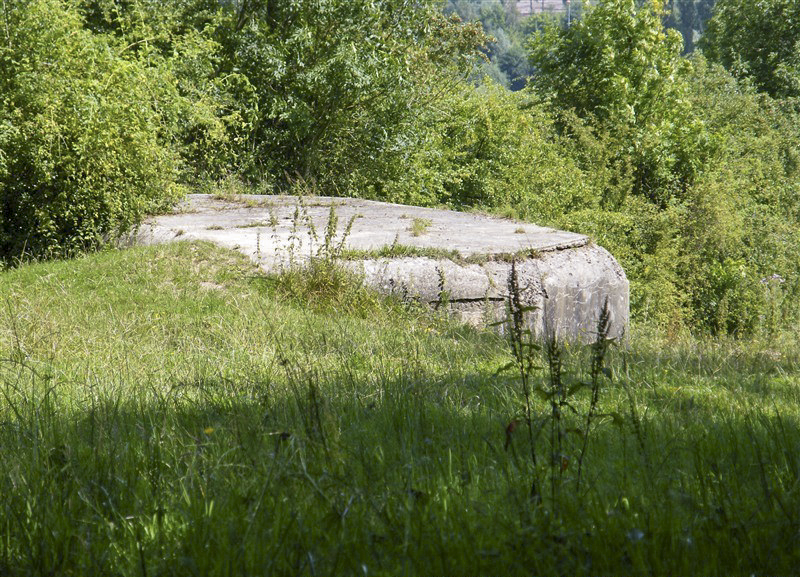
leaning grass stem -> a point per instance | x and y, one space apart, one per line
523 349
599 349
557 396
635 420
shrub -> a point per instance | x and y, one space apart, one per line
336 81
741 224
483 147
622 71
759 41
208 110
82 150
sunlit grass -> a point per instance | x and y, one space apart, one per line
167 410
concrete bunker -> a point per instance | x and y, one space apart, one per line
441 257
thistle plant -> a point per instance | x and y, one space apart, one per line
524 351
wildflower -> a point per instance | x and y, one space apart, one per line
774 278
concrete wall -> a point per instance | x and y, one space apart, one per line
567 289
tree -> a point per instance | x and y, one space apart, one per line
620 70
759 41
617 64
741 233
336 81
207 111
487 147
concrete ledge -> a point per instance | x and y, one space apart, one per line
440 257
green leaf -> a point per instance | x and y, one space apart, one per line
507 367
616 418
577 387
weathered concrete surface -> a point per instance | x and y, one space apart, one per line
462 260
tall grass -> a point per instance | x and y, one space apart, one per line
169 411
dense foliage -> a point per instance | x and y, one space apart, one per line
687 174
82 153
336 83
622 71
109 107
741 227
758 40
702 170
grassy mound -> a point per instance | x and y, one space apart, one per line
167 410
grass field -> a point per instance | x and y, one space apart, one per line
169 411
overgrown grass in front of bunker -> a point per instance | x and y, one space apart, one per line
168 410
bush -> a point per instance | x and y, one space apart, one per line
759 41
82 140
483 147
336 81
742 214
208 111
695 175
619 69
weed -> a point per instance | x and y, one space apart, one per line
420 226
598 369
523 351
556 394
234 190
322 281
443 301
561 397
254 224
331 249
398 250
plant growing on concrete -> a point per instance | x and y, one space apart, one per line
318 276
420 226
444 294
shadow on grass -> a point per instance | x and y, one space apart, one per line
329 473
